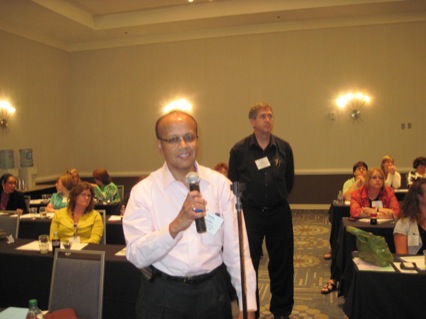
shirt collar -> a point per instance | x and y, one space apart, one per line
253 142
168 178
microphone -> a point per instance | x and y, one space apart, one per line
193 181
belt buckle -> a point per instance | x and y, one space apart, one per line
187 280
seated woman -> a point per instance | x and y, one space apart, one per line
419 164
105 189
64 184
409 233
221 167
360 171
10 198
374 197
75 175
79 222
392 177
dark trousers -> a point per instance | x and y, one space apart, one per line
165 299
276 226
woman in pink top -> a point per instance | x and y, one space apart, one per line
374 197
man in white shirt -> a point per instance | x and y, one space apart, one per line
160 233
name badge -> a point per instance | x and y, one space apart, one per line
413 240
213 222
377 204
262 163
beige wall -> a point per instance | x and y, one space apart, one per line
98 108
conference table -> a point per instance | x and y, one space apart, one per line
336 213
31 228
26 274
346 244
384 294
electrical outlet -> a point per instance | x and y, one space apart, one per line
408 125
402 126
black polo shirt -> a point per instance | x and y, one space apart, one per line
265 187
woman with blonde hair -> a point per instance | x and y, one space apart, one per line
392 177
374 197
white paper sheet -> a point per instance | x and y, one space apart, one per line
379 221
363 265
419 260
121 252
114 218
34 246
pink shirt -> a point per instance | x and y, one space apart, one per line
155 202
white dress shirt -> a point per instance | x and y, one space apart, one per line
156 201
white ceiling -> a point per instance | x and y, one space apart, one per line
75 25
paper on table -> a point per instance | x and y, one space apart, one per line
34 246
121 252
115 218
379 221
363 265
36 201
419 260
30 216
13 313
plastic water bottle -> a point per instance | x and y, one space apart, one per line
340 198
34 312
56 242
122 210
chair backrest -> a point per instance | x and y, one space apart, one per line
121 191
104 219
27 201
10 224
77 282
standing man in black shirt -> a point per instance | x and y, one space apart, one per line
264 163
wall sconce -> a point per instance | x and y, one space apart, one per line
354 102
5 111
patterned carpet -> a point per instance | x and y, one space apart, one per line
311 241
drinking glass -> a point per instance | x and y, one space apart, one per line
43 213
67 245
43 243
33 212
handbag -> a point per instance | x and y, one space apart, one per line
371 248
65 313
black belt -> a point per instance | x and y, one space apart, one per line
189 280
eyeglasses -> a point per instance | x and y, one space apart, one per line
377 177
264 116
187 138
85 195
11 183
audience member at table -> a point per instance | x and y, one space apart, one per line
10 198
75 175
374 197
79 222
393 178
64 184
365 200
419 164
105 189
359 171
221 167
410 230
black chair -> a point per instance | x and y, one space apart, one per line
104 219
10 223
77 282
